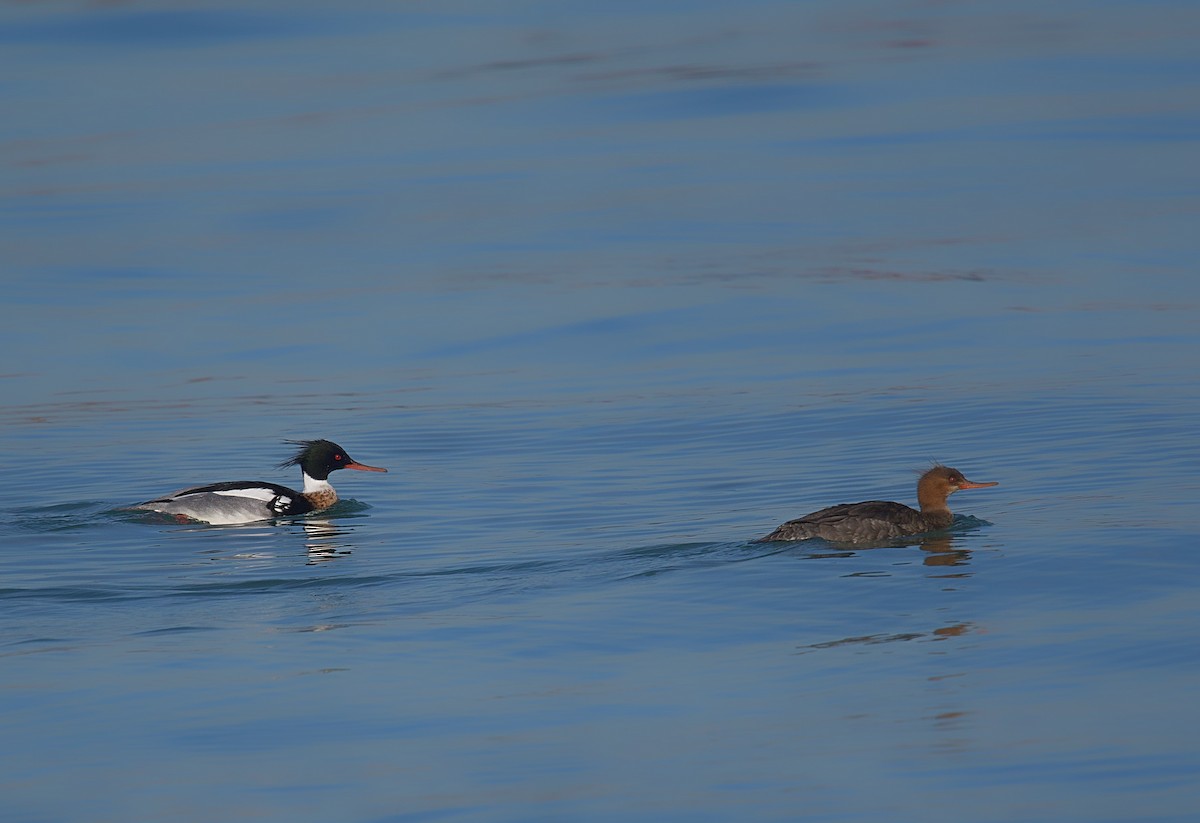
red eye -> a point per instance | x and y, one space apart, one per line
337 457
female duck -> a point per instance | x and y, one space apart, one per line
881 520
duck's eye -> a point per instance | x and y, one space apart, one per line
337 457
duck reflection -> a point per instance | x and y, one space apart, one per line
940 633
940 551
325 541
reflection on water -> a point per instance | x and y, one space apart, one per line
939 547
325 540
938 634
941 552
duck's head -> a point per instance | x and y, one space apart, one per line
939 483
317 458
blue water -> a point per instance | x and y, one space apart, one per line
612 289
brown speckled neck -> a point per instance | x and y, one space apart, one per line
321 499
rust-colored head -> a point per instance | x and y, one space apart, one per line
939 483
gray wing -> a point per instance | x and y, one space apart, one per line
852 523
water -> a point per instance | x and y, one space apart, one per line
611 289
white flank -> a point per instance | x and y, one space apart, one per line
265 495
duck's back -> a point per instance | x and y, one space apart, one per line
854 523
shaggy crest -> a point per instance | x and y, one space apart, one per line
306 448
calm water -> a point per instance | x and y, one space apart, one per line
612 289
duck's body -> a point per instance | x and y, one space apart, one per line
246 501
882 520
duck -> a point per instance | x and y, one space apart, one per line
249 501
875 520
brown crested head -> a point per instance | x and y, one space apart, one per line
940 482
